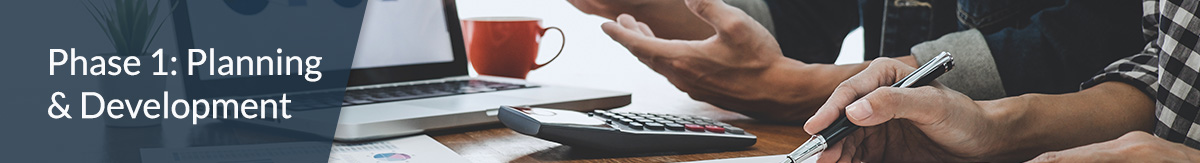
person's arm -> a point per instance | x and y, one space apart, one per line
788 92
1037 123
791 85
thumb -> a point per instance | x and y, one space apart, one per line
922 105
730 22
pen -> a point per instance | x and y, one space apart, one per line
842 126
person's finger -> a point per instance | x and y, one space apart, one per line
881 72
831 154
645 29
730 22
1137 135
1071 155
629 22
639 44
845 93
850 147
1092 152
922 105
1047 157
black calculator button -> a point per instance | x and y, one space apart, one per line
674 126
636 126
606 114
664 121
735 130
645 121
655 126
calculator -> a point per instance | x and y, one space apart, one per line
625 131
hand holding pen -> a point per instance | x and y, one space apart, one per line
900 124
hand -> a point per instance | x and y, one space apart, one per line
671 18
611 8
924 124
1135 146
741 68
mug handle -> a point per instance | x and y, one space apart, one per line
560 47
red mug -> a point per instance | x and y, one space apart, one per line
505 46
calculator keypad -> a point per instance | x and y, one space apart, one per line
665 122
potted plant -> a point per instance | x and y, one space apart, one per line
131 26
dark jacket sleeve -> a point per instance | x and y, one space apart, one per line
812 30
1066 45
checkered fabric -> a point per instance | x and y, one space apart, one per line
1166 69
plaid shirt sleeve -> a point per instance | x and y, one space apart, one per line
1139 70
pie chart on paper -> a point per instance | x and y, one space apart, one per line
392 157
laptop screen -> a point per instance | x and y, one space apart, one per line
395 41
399 40
406 40
402 32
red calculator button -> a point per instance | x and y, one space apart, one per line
716 129
692 127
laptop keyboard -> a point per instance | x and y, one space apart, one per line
425 90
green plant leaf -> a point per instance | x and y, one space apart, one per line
130 25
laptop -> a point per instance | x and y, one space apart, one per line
405 78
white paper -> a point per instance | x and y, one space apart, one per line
412 149
768 159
